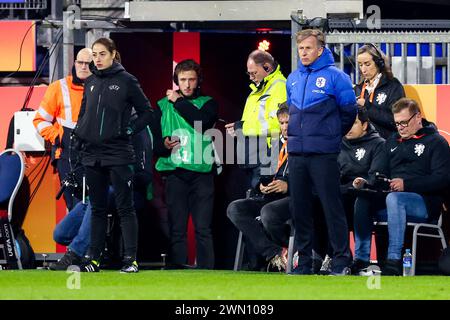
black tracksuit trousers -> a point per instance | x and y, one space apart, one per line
321 172
98 180
191 193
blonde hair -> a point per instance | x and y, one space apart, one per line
303 34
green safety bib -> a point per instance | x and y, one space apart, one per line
196 150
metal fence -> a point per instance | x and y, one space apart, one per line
415 57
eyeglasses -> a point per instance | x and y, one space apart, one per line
405 123
252 74
82 63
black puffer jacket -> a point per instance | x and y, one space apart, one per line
104 123
386 94
361 157
423 163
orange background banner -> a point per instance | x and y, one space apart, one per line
12 33
434 102
44 211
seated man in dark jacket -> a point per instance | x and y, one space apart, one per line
270 201
416 160
361 154
360 159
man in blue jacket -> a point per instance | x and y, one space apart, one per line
322 109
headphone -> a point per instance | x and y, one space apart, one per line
378 58
188 64
266 68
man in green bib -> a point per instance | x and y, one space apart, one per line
186 163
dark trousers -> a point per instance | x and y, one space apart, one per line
274 216
320 172
194 196
243 212
121 178
348 201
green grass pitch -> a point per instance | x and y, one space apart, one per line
214 285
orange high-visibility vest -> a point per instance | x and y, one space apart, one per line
58 110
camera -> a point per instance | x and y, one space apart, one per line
70 182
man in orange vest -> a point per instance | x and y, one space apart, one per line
58 114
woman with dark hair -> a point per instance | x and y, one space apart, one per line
378 90
105 129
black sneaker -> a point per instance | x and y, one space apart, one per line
304 267
359 267
130 267
316 265
340 271
69 259
392 268
89 265
302 271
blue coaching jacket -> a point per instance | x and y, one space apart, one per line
322 107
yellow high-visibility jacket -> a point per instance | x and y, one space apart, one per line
58 113
260 111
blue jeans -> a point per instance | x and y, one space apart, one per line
74 230
401 207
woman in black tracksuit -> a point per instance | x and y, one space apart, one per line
378 90
105 129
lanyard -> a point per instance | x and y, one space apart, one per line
363 90
282 156
375 85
